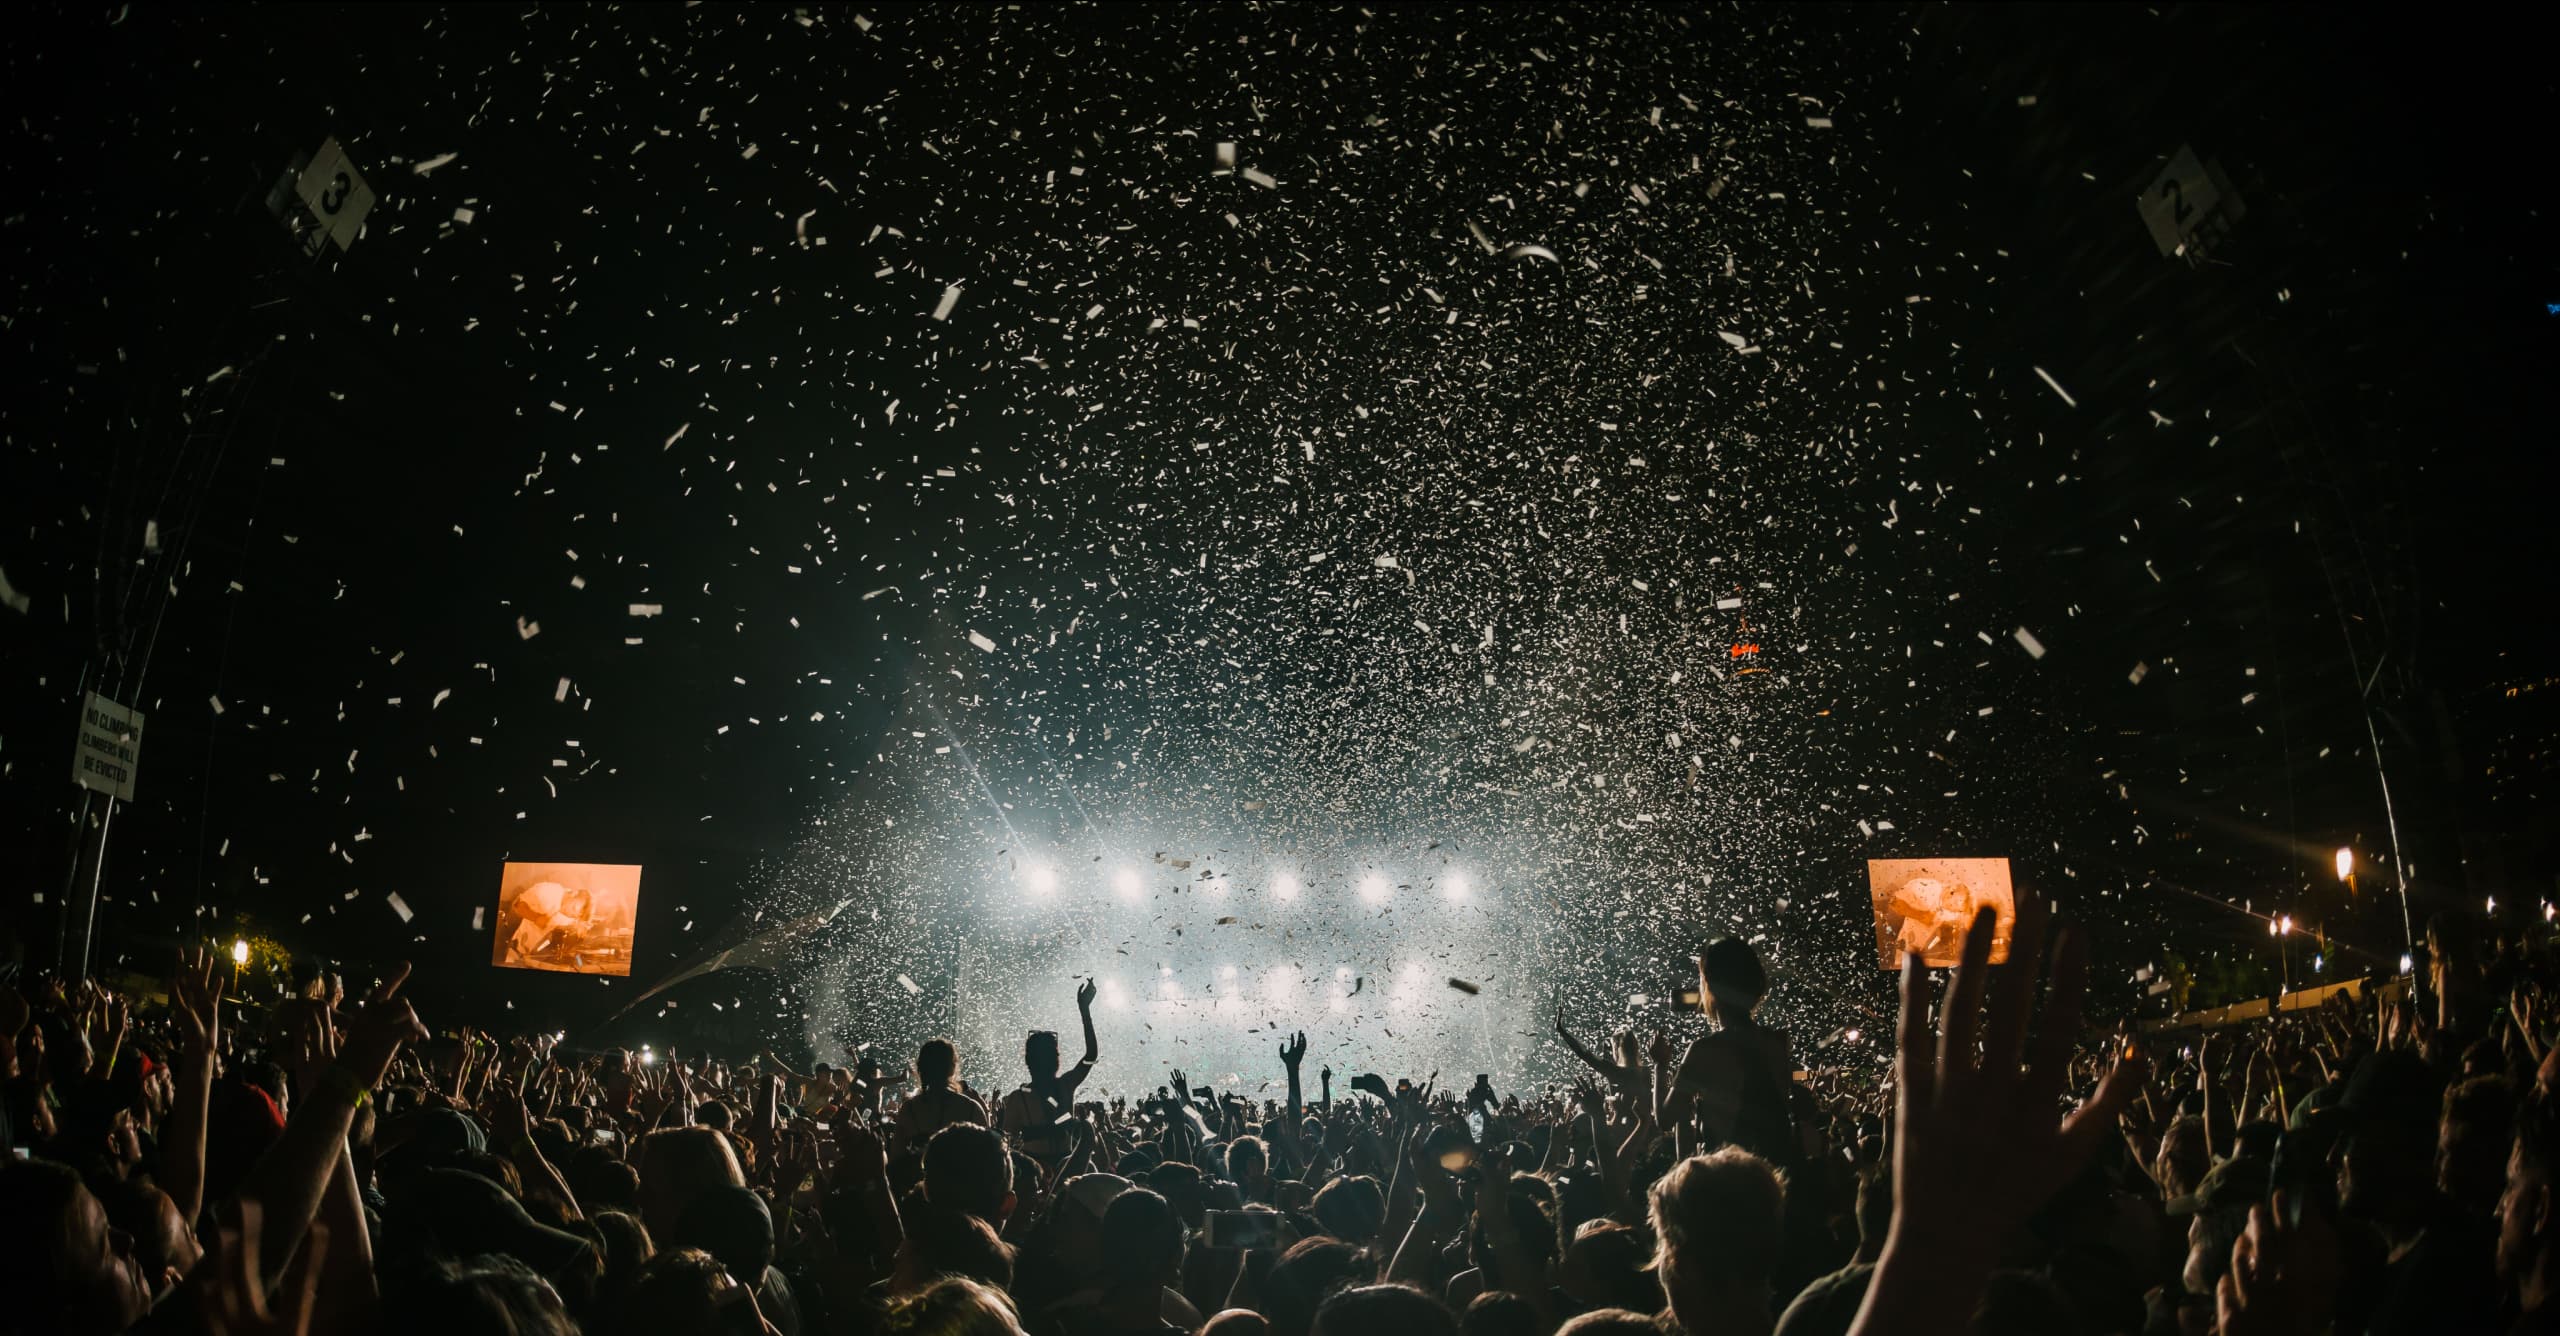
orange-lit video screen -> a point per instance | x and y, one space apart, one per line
1926 905
574 918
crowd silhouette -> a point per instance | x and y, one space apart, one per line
2381 1163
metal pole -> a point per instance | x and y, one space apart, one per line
97 873
2391 827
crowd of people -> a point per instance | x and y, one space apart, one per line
2384 1163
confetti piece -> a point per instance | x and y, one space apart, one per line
982 642
2027 641
2067 400
909 985
950 299
399 906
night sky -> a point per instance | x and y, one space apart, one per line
887 457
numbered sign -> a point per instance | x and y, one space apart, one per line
110 744
335 200
2188 205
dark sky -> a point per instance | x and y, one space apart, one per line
1283 487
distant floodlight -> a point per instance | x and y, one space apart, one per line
2319 962
1284 887
2346 863
2405 962
1226 971
1852 1036
1454 885
1114 996
648 1059
1126 882
1374 889
239 950
1042 878
2286 924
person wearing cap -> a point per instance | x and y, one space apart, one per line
453 1213
734 1225
2217 1212
2432 1271
2528 1257
1066 1248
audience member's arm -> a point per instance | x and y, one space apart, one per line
346 1295
195 1014
1431 1226
1977 1146
1085 993
511 1127
287 1182
863 1165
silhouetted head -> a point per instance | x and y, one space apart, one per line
1040 1054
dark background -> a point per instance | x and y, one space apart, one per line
2357 382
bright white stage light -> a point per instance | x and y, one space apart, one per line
1041 878
1374 888
1453 884
1226 971
1114 996
1284 887
1126 882
1281 984
1218 884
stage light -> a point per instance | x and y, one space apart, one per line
2319 962
1284 887
2405 962
1454 885
1127 883
1226 971
1852 1036
647 1058
2346 863
1218 884
1042 878
239 950
1281 983
2287 924
1374 888
1114 996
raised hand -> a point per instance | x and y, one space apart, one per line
1085 993
232 1297
1294 1051
1181 1087
195 1002
382 1025
1977 1143
2283 1279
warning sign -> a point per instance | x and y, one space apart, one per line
110 740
